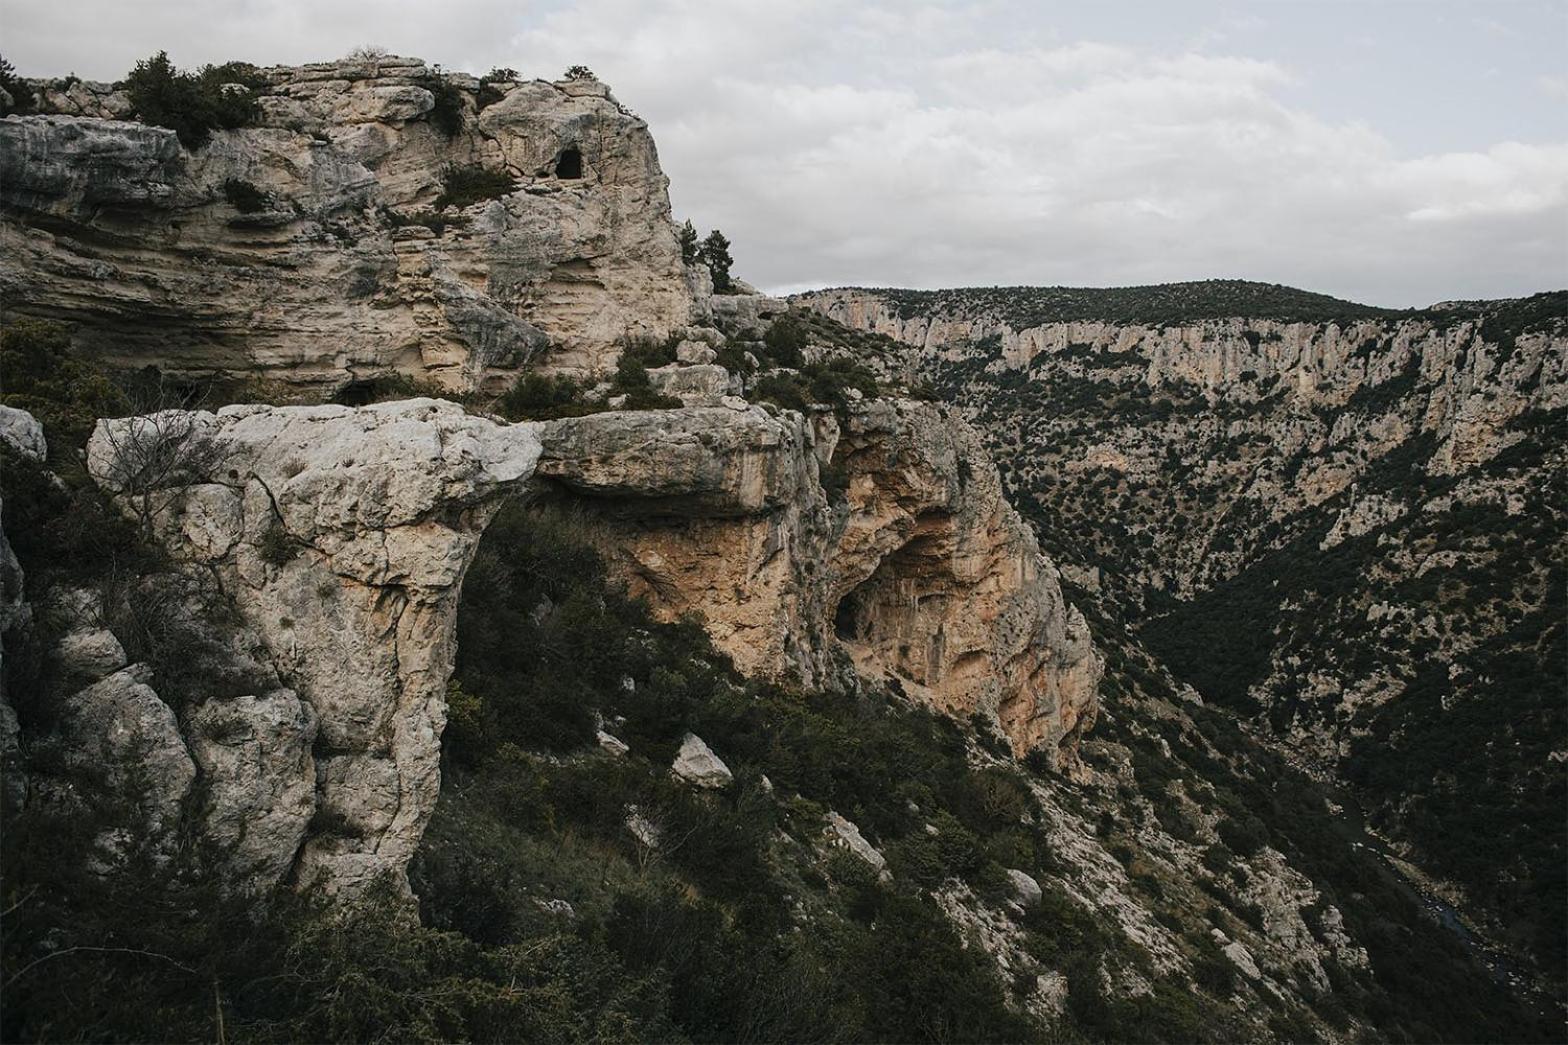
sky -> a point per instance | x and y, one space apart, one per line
1396 152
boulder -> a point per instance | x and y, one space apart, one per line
691 353
696 764
22 434
1026 891
843 833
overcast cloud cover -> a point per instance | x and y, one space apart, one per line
1397 152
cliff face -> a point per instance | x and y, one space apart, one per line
885 537
341 537
1346 529
306 251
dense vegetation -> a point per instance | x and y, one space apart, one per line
1161 304
1429 639
725 916
193 105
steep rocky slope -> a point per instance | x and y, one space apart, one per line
1341 522
341 538
724 698
319 248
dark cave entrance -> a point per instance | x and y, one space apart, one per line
846 619
570 164
356 393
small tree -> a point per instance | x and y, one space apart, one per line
687 237
580 72
715 253
22 96
154 455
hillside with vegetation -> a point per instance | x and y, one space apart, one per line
1346 531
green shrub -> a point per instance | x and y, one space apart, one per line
535 397
44 376
193 105
23 98
785 342
465 185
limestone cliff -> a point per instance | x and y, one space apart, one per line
1341 521
306 251
341 537
885 535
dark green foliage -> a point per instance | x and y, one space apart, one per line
648 351
193 105
733 358
448 114
686 236
715 253
535 397
40 374
785 343
534 634
23 98
246 198
466 184
1164 304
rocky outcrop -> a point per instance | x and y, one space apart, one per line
884 536
305 251
341 537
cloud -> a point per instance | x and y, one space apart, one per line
937 144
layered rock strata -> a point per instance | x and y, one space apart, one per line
307 250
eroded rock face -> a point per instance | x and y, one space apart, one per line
913 564
290 251
341 536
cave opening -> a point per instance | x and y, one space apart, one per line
570 163
846 622
357 393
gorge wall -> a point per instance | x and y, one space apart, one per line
308 251
1340 522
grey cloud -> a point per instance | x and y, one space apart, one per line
941 144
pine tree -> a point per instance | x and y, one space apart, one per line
715 254
687 236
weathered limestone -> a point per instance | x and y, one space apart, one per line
328 279
696 764
341 536
917 567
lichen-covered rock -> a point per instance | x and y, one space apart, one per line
119 729
255 751
306 250
842 832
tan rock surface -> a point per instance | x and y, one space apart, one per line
118 228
